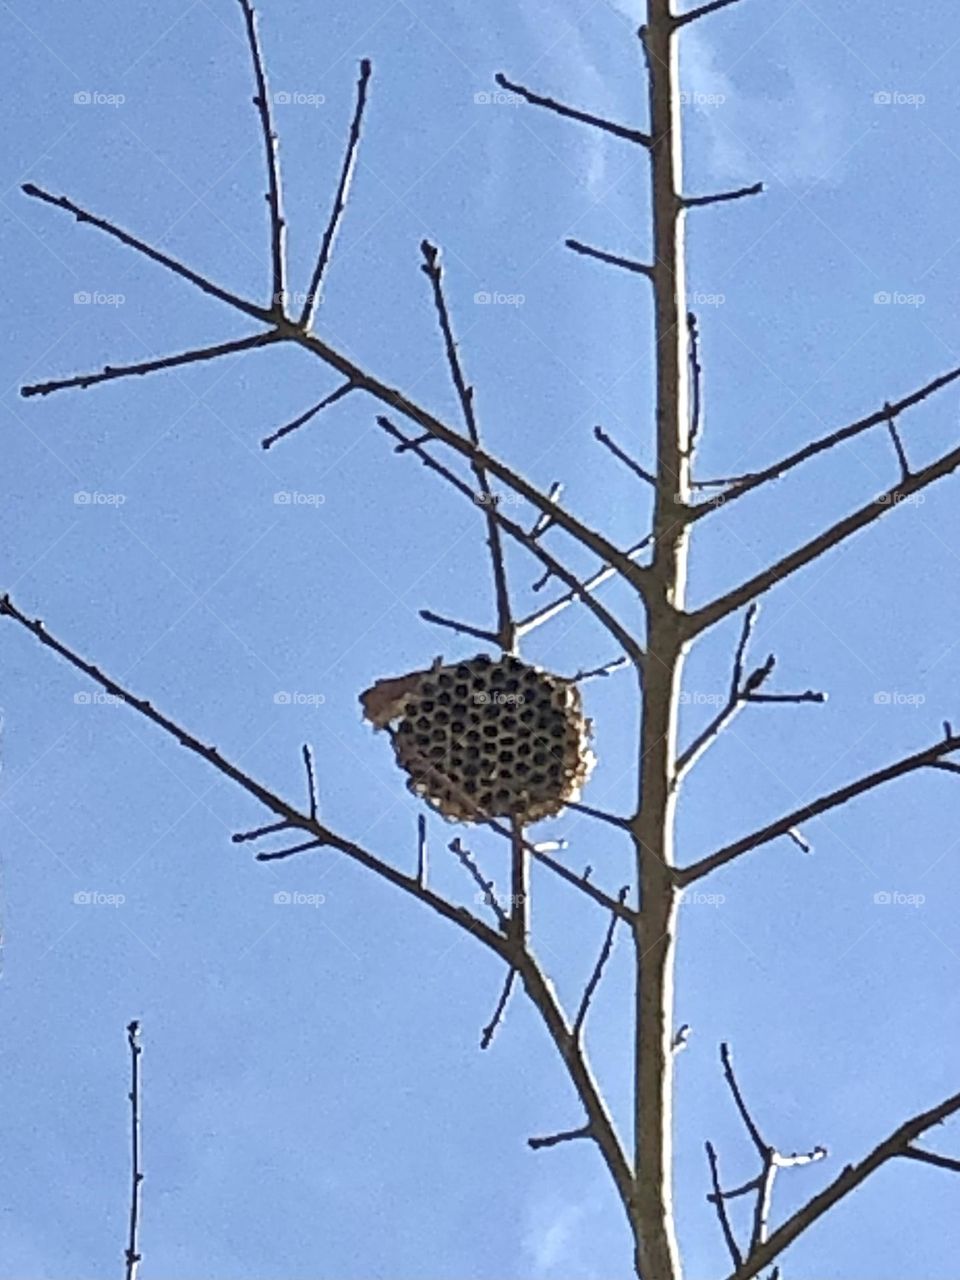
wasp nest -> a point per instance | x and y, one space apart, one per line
485 739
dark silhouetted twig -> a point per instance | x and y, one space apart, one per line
132 1254
274 198
489 1031
572 113
635 467
340 200
612 259
269 441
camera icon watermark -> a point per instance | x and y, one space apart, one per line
296 899
291 698
94 98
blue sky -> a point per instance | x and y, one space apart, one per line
315 1103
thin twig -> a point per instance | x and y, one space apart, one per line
132 1254
554 1140
461 628
782 569
545 522
693 202
488 889
743 689
611 818
519 886
931 1157
432 269
682 19
762 1147
785 826
243 837
578 590
612 259
846 1182
274 200
696 382
422 852
597 974
277 855
269 441
744 484
635 467
572 113
595 673
110 373
311 780
898 444
718 1202
340 200
548 611
489 1031
620 561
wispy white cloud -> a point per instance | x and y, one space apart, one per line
792 134
552 1236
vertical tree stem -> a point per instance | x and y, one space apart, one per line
657 1255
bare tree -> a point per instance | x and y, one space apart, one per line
640 1164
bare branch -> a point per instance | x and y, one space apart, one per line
519 534
340 200
696 381
744 484
461 628
506 629
269 441
784 826
535 983
132 1254
277 855
848 1180
111 372
549 611
545 522
274 200
695 14
487 887
681 1037
262 314
771 1160
421 849
554 1140
711 613
613 259
597 974
611 818
898 445
718 1202
635 467
519 886
763 1148
489 1031
692 202
596 673
244 837
456 915
620 561
311 780
743 690
931 1157
572 113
